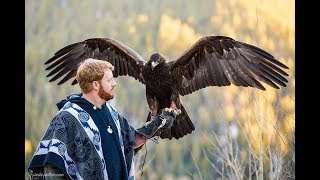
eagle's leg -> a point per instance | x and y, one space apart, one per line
153 114
153 106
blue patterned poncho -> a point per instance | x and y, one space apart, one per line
78 142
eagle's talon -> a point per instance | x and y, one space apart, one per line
174 112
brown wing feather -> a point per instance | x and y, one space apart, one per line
65 62
222 61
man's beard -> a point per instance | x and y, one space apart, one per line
104 95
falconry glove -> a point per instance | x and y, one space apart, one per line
168 116
163 121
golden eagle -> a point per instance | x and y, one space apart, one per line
211 61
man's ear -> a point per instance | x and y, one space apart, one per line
95 85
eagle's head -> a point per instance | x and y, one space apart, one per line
156 59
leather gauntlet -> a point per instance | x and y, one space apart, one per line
163 121
149 128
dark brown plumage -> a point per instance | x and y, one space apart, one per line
211 61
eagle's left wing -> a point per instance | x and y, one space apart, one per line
222 61
66 61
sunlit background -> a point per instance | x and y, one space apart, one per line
241 133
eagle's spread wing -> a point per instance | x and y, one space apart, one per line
222 61
66 61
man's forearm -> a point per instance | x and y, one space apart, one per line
145 132
163 121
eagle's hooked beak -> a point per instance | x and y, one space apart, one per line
154 64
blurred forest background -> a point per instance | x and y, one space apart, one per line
241 133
